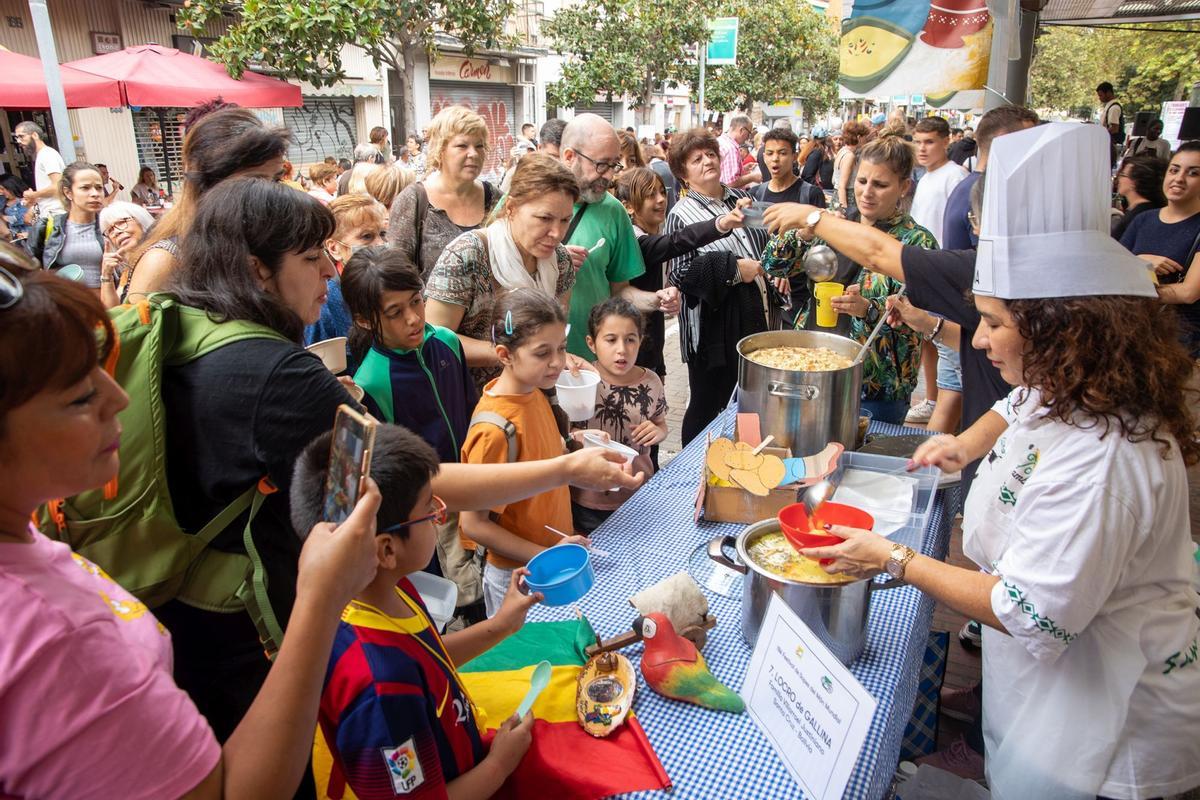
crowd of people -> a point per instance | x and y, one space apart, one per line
462 303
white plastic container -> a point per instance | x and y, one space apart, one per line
439 594
332 353
592 440
577 395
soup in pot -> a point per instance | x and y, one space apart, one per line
802 359
775 554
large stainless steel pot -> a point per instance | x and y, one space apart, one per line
803 410
836 613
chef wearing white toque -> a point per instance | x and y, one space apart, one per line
1078 516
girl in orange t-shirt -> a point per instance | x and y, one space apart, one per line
529 330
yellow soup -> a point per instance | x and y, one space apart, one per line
804 359
775 554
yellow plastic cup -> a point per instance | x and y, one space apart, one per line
824 292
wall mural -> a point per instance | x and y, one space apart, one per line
321 127
893 47
498 116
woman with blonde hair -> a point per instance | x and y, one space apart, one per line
358 177
452 199
226 143
386 183
521 247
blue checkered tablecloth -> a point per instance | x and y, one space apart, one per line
710 754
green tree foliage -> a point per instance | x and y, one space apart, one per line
785 49
303 39
623 47
1146 68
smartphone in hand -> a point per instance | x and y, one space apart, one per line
349 463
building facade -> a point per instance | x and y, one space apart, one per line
330 122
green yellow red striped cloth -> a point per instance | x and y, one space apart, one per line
563 762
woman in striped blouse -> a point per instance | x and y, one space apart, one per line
726 294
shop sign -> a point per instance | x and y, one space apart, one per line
471 70
105 43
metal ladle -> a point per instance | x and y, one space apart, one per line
816 495
874 333
820 263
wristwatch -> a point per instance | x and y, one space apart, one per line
810 222
898 560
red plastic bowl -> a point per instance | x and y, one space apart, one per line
797 528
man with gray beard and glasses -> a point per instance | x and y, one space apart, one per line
601 237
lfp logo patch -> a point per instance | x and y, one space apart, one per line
403 767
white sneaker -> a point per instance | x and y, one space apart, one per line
921 412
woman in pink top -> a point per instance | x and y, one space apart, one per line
88 704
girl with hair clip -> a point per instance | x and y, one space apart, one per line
529 330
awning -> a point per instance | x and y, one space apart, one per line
152 75
1113 11
24 85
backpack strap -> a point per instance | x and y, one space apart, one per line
258 603
504 424
224 582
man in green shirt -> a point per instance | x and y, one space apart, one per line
590 149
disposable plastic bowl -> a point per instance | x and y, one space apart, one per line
798 529
332 352
577 395
562 573
628 453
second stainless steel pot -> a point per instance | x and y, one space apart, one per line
803 410
836 613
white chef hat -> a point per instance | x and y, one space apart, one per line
1045 226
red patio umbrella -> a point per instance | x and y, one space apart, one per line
153 75
24 85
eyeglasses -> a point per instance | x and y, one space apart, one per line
438 517
121 225
602 167
11 290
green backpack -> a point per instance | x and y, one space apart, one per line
128 527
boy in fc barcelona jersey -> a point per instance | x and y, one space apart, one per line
394 718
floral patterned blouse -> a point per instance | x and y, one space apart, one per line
463 277
890 370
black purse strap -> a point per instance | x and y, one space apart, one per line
583 207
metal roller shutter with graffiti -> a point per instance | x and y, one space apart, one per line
323 126
495 103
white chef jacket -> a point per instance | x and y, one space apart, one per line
1096 687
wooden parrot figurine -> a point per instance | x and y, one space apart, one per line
674 668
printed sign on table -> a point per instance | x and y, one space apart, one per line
812 710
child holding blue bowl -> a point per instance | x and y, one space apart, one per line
515 422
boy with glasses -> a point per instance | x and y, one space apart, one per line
395 717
